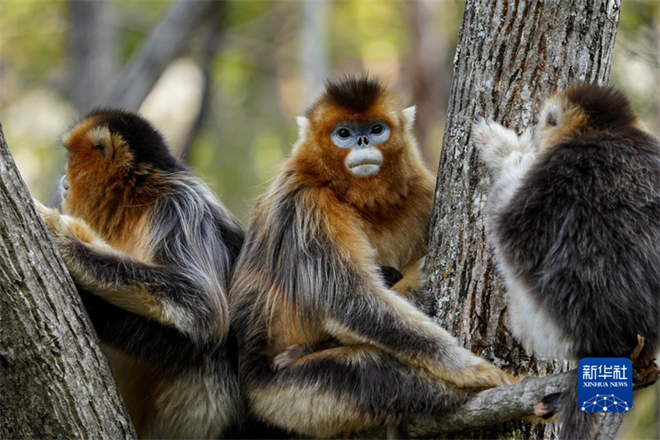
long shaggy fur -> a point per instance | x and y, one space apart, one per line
152 252
310 275
576 231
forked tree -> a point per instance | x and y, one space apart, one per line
54 379
510 56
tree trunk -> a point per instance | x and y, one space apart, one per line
430 75
94 52
55 381
314 50
510 56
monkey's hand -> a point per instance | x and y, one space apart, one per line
52 219
290 355
496 143
479 374
294 352
63 228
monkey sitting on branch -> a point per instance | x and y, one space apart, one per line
574 222
151 251
354 197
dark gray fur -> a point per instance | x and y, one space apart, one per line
584 232
316 277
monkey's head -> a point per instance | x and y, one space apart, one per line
358 136
583 109
116 161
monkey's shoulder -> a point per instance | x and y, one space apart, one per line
602 168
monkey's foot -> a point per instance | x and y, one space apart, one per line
481 375
645 370
548 406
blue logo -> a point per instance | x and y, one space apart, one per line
605 385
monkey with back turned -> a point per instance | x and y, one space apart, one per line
574 221
152 251
353 197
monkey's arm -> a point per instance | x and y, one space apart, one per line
372 315
359 309
161 293
291 354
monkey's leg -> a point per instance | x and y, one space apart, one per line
158 292
346 389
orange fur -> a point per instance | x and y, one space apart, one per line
327 348
102 191
151 251
321 163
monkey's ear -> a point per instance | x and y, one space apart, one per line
409 117
303 125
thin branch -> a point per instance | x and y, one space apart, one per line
496 405
609 426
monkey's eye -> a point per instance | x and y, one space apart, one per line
343 133
98 147
377 129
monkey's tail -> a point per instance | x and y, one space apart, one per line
575 424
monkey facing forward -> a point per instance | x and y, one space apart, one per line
152 251
353 197
574 222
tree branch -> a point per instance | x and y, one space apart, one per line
94 51
609 426
165 43
496 405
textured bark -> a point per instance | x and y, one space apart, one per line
510 56
609 427
55 381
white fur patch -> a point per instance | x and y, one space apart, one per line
195 405
309 410
496 143
409 117
510 157
303 126
531 324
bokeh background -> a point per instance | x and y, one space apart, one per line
227 98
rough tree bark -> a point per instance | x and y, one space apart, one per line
55 381
510 56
